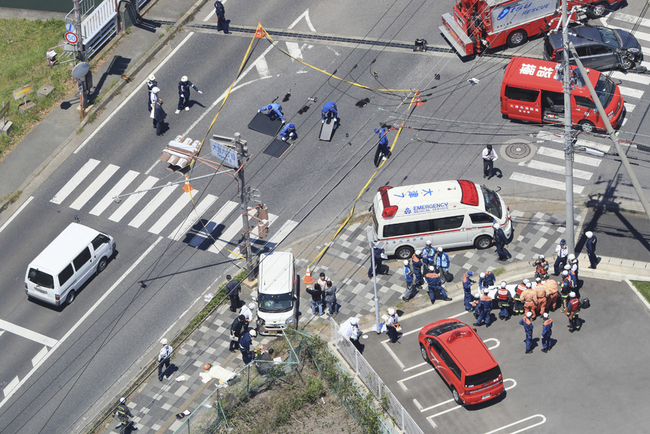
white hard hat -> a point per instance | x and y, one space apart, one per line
503 284
495 225
418 252
538 279
589 234
482 275
354 320
155 90
431 268
541 257
152 77
184 78
565 273
545 315
529 314
428 243
526 281
122 400
253 333
163 341
485 291
406 262
391 311
528 285
572 294
440 249
572 257
567 267
478 294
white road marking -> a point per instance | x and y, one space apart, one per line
632 93
294 50
630 19
133 199
519 422
280 235
14 215
495 345
194 216
216 220
213 12
393 355
262 68
254 233
401 382
304 15
153 205
539 181
589 144
152 167
74 182
514 384
9 388
37 358
554 168
226 236
26 333
415 366
94 186
629 107
115 191
171 212
88 313
630 76
556 153
132 94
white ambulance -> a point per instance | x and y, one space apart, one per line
448 213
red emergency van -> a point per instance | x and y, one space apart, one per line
530 92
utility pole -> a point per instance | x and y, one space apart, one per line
371 242
568 137
81 52
242 152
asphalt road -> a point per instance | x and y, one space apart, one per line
312 185
590 380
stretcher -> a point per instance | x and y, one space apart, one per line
262 123
327 130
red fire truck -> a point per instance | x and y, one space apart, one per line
480 24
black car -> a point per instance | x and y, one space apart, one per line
598 47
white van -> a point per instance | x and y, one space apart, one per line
67 263
276 292
448 213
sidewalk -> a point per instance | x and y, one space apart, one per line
155 404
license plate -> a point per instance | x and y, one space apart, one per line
485 396
42 291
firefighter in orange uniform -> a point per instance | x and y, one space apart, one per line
551 294
540 292
529 299
518 307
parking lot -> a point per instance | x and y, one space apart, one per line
592 379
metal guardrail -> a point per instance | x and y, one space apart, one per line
373 382
98 23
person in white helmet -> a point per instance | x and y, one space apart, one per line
572 312
153 98
547 330
573 271
184 94
151 83
428 253
484 310
441 260
501 242
164 356
566 286
392 324
591 249
408 277
350 330
416 260
541 267
123 414
527 322
245 342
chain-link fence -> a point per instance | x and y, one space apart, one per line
373 382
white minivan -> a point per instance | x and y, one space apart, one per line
60 270
276 292
448 213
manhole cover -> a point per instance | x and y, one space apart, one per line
518 151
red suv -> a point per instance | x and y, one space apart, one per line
461 358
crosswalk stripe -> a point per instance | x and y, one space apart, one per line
556 153
629 107
554 168
193 217
75 181
255 234
630 76
152 205
632 19
595 145
632 93
294 49
133 199
641 36
171 212
233 230
539 181
215 221
94 186
115 191
284 231
262 67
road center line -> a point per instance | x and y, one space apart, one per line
9 392
14 215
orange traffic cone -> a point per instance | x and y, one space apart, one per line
260 33
187 187
308 280
417 101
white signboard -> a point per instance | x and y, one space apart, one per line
224 154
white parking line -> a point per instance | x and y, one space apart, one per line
401 382
27 334
492 339
9 392
14 215
392 354
9 388
514 384
415 367
520 421
37 358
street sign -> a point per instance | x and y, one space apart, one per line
4 110
71 38
22 92
224 154
70 28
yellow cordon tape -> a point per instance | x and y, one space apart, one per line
345 222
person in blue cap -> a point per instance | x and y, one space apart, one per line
275 111
288 132
330 112
383 141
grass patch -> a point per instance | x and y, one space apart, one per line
643 287
23 45
11 198
499 271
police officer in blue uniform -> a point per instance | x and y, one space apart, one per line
467 287
547 329
428 254
416 260
383 142
527 322
329 112
288 132
275 111
501 242
485 310
184 94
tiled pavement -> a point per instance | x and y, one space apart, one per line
155 404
